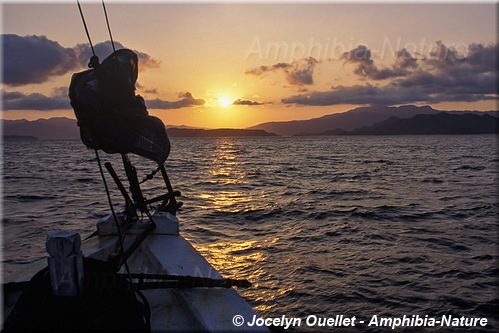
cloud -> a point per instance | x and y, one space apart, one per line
297 73
483 58
59 101
104 49
445 75
248 102
260 71
186 100
361 56
35 101
146 90
338 95
35 59
358 94
404 60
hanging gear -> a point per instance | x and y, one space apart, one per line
110 116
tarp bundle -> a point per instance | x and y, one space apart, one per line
110 116
109 303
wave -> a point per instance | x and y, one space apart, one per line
30 198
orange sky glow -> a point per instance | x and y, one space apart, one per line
232 64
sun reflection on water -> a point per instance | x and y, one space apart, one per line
228 190
226 174
245 259
237 258
226 201
225 166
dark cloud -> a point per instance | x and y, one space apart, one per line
35 101
483 58
260 71
186 100
248 102
445 75
447 71
404 60
442 56
361 56
297 73
104 49
357 94
146 90
303 73
59 101
34 59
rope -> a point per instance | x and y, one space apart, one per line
94 60
108 26
85 25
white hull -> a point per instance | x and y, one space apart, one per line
164 251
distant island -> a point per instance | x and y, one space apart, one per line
425 124
65 128
44 129
214 133
20 138
366 116
367 120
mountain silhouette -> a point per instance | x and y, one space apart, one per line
53 128
349 120
65 128
440 123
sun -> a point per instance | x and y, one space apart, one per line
224 101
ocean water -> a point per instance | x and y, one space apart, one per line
355 226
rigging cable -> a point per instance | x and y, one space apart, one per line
85 25
94 60
108 26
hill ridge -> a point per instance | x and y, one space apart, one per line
427 124
352 119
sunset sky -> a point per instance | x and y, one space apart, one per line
238 64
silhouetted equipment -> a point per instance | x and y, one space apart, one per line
109 303
112 118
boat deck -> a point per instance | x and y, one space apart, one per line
164 251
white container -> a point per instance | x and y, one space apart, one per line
65 262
